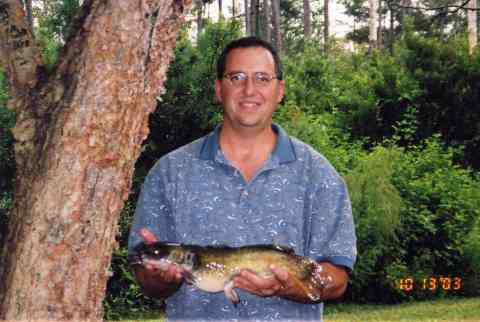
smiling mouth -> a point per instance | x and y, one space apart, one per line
249 105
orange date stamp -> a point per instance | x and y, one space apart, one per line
431 283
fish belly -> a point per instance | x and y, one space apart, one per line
210 283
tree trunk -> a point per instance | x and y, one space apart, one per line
277 32
199 7
220 9
392 29
326 27
248 25
254 17
28 12
372 23
472 25
380 25
307 20
266 25
78 134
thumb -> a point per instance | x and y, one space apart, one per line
148 236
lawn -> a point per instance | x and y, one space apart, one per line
451 310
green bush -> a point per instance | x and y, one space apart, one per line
442 207
377 206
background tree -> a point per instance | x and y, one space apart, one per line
78 134
307 20
372 24
277 31
472 15
267 14
326 23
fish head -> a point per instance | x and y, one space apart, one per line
161 252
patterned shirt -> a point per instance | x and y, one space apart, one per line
194 195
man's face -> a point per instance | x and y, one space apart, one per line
249 105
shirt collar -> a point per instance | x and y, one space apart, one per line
283 151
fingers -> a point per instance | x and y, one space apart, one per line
148 236
261 286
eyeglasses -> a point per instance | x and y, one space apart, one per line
239 79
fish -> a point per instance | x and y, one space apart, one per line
212 268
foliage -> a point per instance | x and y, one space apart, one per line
310 81
415 213
7 159
442 208
450 96
377 206
54 26
124 296
187 110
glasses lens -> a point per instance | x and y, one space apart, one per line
262 79
259 79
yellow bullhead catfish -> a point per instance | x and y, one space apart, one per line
212 268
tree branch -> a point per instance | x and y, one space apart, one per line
18 54
463 5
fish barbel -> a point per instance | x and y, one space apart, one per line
212 268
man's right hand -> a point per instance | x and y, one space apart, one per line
158 281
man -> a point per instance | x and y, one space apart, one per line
246 183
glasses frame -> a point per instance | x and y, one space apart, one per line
256 79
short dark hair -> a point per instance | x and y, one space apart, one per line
248 42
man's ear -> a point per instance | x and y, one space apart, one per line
281 90
218 91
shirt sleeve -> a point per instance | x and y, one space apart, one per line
332 234
153 210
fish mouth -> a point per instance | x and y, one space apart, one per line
135 259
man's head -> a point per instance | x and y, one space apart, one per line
248 84
248 42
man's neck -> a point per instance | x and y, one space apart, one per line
247 150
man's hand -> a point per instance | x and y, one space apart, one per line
158 281
331 283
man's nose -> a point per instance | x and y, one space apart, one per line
249 87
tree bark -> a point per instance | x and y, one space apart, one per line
372 23
472 25
380 25
28 12
266 25
248 25
220 9
254 17
78 134
326 27
307 20
277 32
199 7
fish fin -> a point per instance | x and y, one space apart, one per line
284 248
230 293
276 247
189 277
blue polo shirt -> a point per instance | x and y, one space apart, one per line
194 195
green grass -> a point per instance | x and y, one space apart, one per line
451 310
446 310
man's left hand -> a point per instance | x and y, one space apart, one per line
334 281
